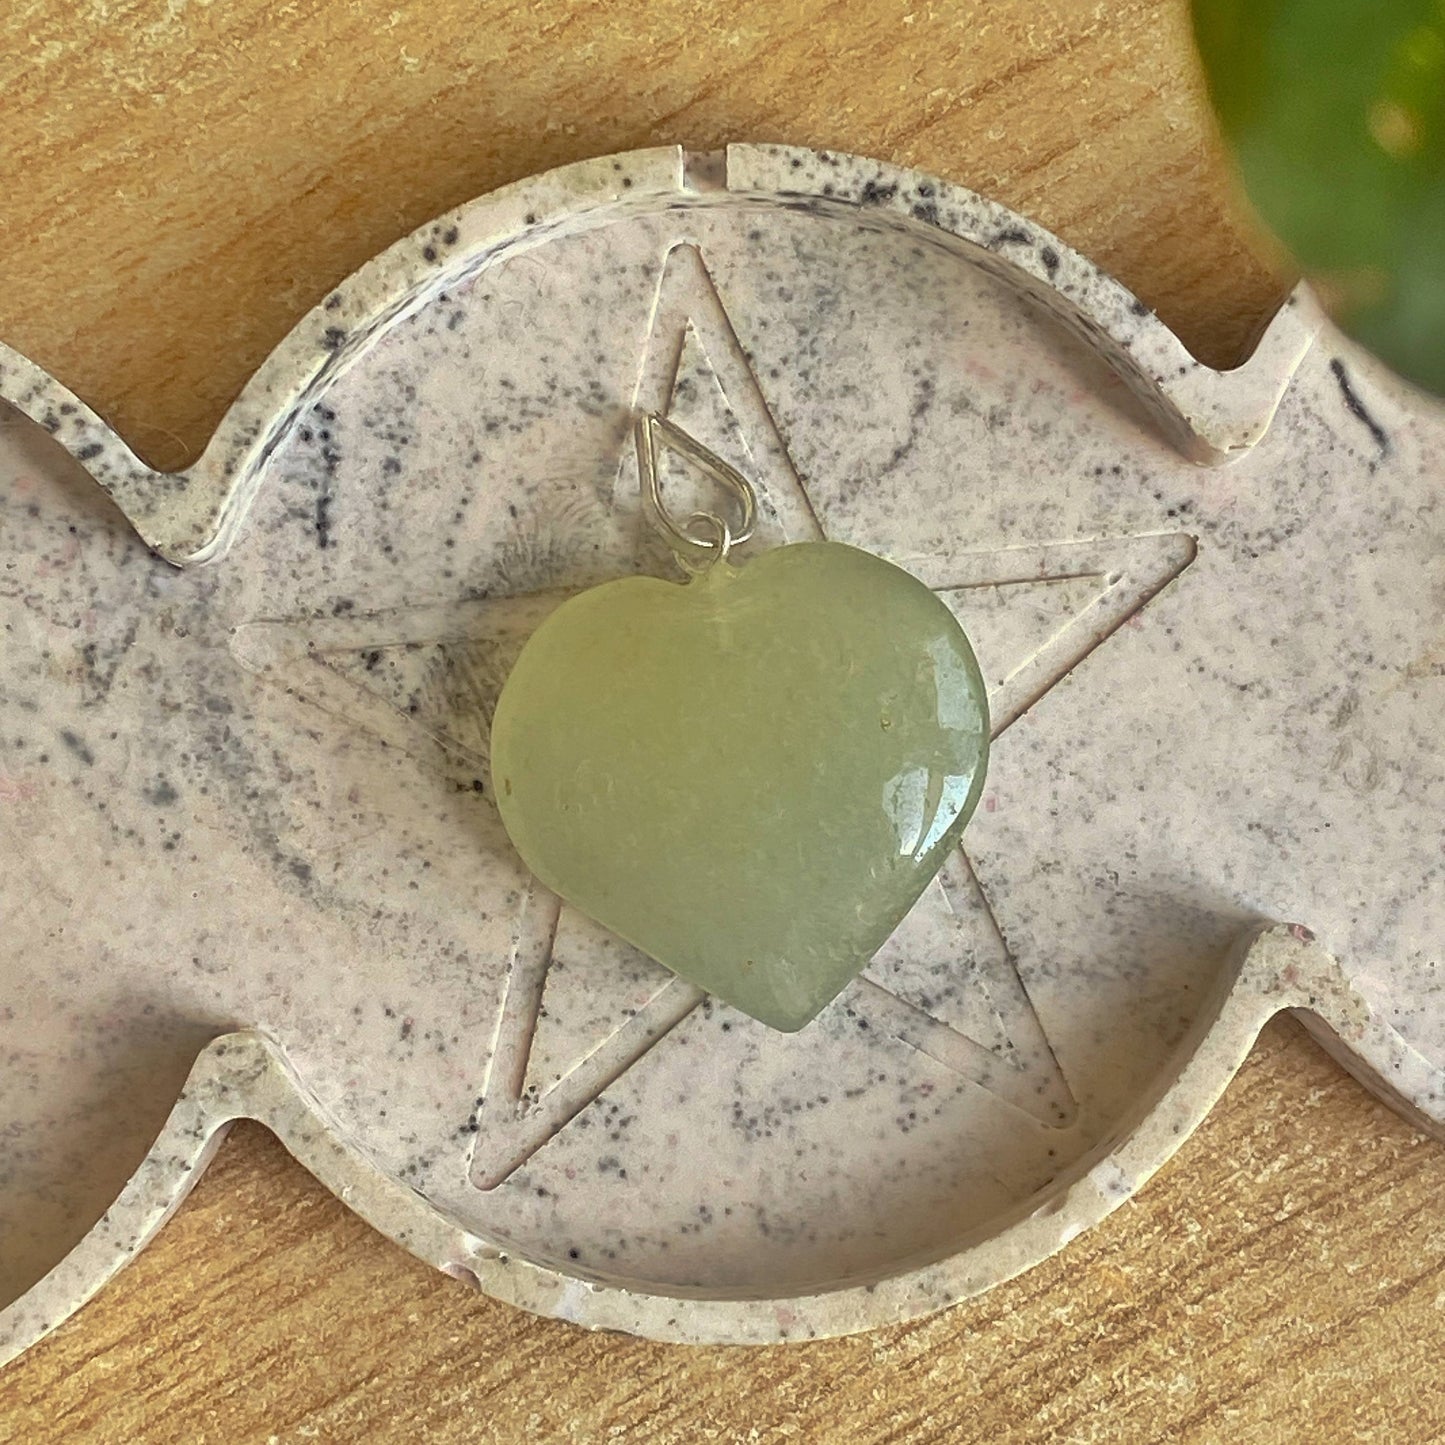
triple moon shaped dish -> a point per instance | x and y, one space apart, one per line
252 867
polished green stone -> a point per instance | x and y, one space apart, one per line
751 776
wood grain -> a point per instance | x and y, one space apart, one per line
178 182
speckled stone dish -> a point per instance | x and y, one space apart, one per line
251 866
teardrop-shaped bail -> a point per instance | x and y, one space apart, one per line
702 539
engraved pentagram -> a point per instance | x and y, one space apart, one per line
424 680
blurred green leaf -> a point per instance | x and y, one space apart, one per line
1335 110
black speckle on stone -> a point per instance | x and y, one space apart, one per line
1138 307
333 301
874 194
77 746
1013 236
1050 258
162 795
333 338
323 521
429 252
1356 407
451 236
89 451
301 869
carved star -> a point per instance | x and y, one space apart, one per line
426 681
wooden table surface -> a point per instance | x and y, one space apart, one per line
179 180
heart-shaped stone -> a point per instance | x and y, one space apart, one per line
751 776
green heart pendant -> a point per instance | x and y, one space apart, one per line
750 776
